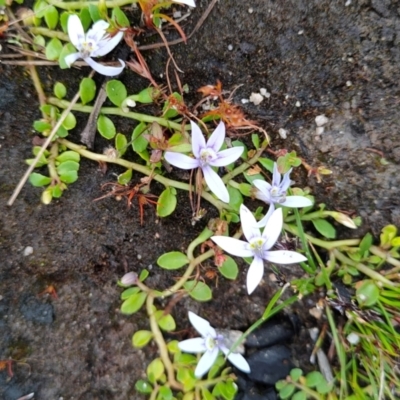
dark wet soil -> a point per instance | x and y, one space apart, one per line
337 60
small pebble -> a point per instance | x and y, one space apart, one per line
282 133
348 83
319 130
348 2
250 10
300 32
321 120
139 256
298 104
264 92
177 14
256 98
230 47
28 251
244 101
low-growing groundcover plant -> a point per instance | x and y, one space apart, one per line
230 175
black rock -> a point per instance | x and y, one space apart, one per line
270 365
270 333
254 394
33 310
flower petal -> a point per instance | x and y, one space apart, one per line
215 184
286 181
233 246
103 69
75 30
273 228
226 157
267 216
198 141
107 45
196 345
276 176
249 223
217 138
206 362
255 274
264 190
296 202
201 325
71 58
181 160
239 362
98 31
284 257
190 3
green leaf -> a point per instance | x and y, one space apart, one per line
313 379
143 387
62 132
53 49
229 268
388 234
365 244
165 393
51 17
129 292
69 121
256 140
125 177
121 143
198 290
68 155
94 12
120 18
116 92
287 391
64 21
155 370
41 126
251 178
106 127
39 180
141 338
56 191
39 8
67 166
295 374
147 96
165 322
325 228
235 198
134 303
69 177
206 394
367 293
245 189
172 260
67 49
324 387
60 90
166 203
85 18
139 143
143 275
267 164
300 396
87 90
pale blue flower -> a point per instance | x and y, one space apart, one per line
95 43
275 193
211 343
207 155
258 245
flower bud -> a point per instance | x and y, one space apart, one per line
129 279
342 219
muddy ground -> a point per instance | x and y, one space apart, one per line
338 58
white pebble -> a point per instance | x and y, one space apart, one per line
139 256
244 101
348 83
298 104
348 2
177 14
319 130
282 133
256 98
230 47
264 92
28 251
300 32
250 10
321 120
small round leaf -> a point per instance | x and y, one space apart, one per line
172 260
106 127
134 303
116 92
141 338
143 387
60 90
87 90
166 202
198 290
229 268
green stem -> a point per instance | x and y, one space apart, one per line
219 205
162 347
385 256
51 166
322 243
364 269
49 33
205 235
76 5
118 111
